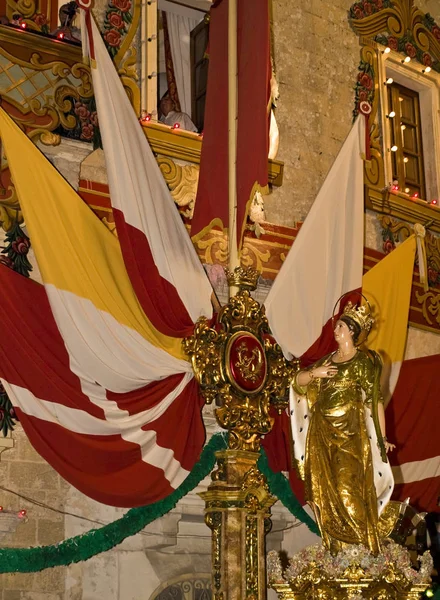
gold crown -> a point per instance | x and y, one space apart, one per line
243 277
360 315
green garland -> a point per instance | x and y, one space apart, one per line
279 486
83 547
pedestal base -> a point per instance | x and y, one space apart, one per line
354 573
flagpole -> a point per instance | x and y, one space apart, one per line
232 137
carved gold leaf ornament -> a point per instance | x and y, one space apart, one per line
430 302
250 367
411 31
182 181
27 8
214 249
239 365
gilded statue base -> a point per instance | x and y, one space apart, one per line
354 573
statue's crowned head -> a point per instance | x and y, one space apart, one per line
359 321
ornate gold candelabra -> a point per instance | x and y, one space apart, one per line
239 365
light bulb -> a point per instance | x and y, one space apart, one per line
406 190
406 159
407 59
393 148
426 70
391 115
386 51
389 81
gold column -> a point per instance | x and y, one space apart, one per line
239 365
238 513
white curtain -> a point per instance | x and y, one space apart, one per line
179 29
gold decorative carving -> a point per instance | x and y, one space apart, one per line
129 37
43 78
252 255
374 168
182 181
243 409
243 278
254 479
250 367
251 541
430 302
214 249
26 8
214 522
358 580
402 18
401 231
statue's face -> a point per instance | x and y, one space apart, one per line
342 332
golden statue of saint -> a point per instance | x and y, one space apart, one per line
343 461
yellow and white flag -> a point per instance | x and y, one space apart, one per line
387 286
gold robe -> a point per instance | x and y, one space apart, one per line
338 469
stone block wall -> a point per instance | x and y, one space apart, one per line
24 474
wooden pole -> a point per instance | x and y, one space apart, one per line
232 137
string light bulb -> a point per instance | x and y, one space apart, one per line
21 513
60 36
403 127
23 25
426 70
394 148
406 159
391 115
415 195
176 126
387 50
434 202
406 190
407 59
389 81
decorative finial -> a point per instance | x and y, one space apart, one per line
245 278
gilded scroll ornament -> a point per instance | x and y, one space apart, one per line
252 557
182 181
430 302
239 365
394 231
401 26
214 522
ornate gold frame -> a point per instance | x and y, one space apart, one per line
400 20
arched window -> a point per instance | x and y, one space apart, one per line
191 586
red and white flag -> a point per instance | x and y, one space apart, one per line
94 364
412 424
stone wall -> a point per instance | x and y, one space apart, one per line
316 59
24 472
